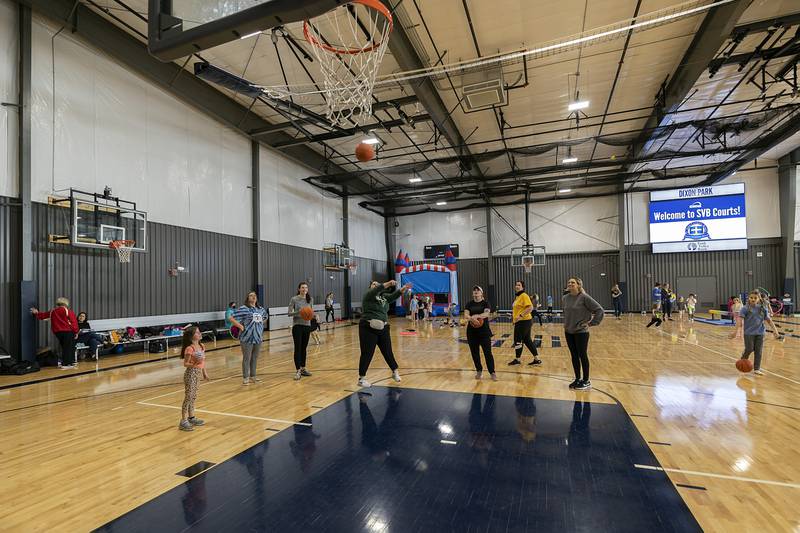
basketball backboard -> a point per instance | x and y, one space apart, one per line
337 257
178 28
528 256
95 220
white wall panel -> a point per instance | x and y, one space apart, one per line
366 232
97 124
762 202
292 211
637 218
9 185
465 228
562 226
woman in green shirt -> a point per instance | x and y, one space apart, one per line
373 329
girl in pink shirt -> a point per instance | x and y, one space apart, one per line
194 359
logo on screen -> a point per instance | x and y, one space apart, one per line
696 231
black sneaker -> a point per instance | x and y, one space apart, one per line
514 362
535 362
584 385
574 384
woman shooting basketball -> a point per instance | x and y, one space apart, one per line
373 329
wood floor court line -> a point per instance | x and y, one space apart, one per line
721 476
220 413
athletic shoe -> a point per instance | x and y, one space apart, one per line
514 362
478 374
304 372
298 375
185 425
255 380
536 362
68 367
396 376
362 382
758 372
584 385
193 420
574 384
494 377
245 381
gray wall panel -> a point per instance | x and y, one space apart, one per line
9 272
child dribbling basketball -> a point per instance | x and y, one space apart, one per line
194 359
754 315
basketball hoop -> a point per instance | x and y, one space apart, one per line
527 264
123 249
349 42
353 267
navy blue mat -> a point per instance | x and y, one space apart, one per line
412 460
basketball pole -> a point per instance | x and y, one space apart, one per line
348 298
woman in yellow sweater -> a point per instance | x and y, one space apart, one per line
523 321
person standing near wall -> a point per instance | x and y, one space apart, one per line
301 329
655 295
64 325
549 307
250 319
666 301
537 303
616 298
522 319
373 329
691 305
581 312
194 360
329 308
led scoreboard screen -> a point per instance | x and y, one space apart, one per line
698 219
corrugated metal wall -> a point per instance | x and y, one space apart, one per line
9 272
736 270
598 271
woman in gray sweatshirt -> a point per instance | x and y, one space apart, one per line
301 329
581 312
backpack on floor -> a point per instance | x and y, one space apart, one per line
25 367
47 358
7 366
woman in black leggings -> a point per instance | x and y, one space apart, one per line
373 329
523 322
581 311
479 336
536 305
301 329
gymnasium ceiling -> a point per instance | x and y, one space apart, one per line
675 105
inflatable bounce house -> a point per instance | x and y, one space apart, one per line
435 281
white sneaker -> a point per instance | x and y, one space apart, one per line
362 382
758 372
68 367
396 376
298 375
245 381
478 374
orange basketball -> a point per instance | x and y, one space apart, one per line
744 365
476 322
365 152
306 313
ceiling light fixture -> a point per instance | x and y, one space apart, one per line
371 140
569 159
441 203
250 35
575 106
414 180
564 191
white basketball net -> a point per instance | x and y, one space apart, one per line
123 249
353 268
349 42
527 264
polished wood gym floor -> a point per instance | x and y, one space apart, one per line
79 451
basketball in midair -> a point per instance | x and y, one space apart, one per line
306 313
744 365
365 152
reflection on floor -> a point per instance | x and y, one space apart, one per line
419 460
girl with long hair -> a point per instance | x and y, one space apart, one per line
194 360
301 329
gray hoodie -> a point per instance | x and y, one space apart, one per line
295 304
580 311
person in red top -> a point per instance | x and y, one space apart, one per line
64 325
194 359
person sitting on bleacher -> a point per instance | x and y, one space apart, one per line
86 335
